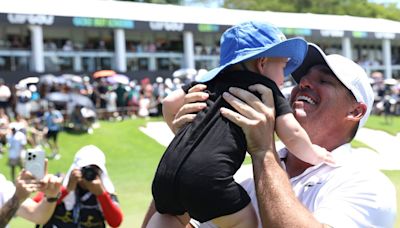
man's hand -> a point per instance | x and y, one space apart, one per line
51 185
74 178
95 186
25 185
194 102
256 117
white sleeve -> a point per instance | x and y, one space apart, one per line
6 191
362 199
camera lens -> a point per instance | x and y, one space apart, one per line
89 173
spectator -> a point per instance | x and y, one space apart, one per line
133 98
144 105
53 120
5 95
37 133
17 141
111 103
78 122
23 106
68 46
87 194
4 130
122 97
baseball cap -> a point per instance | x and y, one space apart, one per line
251 40
348 72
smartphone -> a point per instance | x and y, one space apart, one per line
35 162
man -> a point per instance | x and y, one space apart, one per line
332 101
53 120
5 94
14 199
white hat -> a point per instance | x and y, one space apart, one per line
159 80
348 72
88 155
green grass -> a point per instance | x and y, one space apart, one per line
395 178
132 158
358 144
379 123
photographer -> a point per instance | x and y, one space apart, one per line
87 195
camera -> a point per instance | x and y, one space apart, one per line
89 173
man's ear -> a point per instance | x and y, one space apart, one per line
357 112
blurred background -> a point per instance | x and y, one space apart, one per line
107 65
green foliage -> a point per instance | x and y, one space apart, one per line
174 2
361 8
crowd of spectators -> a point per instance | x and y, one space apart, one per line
81 101
387 95
39 109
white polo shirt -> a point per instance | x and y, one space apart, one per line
349 195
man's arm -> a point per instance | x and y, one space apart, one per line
40 212
8 210
277 202
25 185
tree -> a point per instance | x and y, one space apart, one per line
361 8
174 2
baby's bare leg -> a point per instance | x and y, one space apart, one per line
245 218
164 220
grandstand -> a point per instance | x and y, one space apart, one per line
141 39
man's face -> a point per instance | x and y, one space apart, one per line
321 103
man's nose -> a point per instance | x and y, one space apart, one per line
305 82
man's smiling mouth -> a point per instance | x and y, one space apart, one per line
305 99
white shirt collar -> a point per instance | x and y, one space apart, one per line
342 155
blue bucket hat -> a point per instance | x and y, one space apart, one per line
251 40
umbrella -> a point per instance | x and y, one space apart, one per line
118 78
72 77
78 99
390 81
47 79
71 98
58 97
103 73
29 80
185 72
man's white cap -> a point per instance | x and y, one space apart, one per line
348 72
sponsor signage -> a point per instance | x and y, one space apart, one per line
102 23
332 33
384 35
32 19
296 31
357 34
61 21
166 26
207 28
